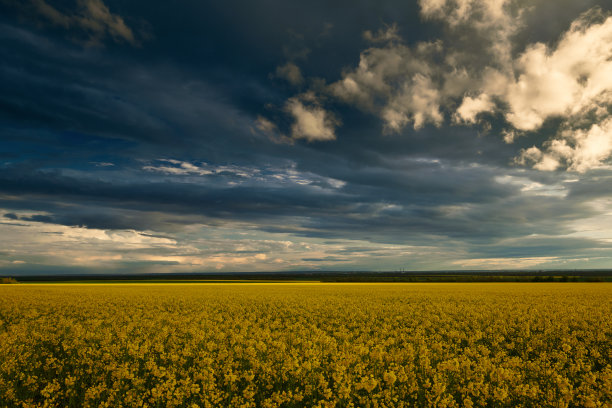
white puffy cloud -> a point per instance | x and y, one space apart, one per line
490 22
575 76
311 122
477 67
415 85
375 78
540 161
579 150
572 81
471 107
418 102
456 12
509 136
568 80
394 82
590 148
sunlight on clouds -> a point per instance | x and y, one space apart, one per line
243 175
530 187
599 226
461 11
311 122
504 263
129 239
200 248
470 107
417 102
216 261
92 16
422 84
95 259
572 78
477 131
178 167
579 150
74 245
270 130
399 77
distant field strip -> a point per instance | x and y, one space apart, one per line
306 344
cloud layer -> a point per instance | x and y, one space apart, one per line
314 137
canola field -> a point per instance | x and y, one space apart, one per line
306 345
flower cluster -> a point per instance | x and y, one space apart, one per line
319 345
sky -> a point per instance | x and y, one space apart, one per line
206 136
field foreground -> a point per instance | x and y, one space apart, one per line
306 345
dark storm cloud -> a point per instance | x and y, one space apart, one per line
83 91
375 204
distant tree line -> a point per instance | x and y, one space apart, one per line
468 278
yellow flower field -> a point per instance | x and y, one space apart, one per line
306 345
